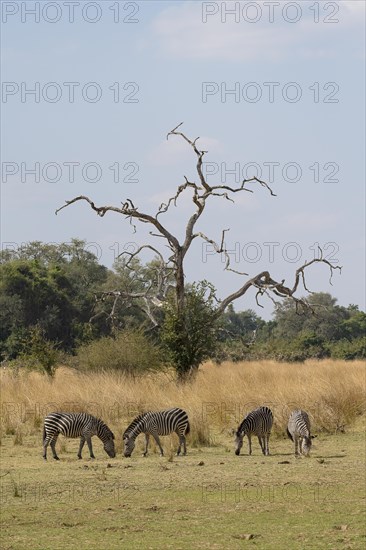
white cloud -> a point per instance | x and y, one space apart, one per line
182 34
355 8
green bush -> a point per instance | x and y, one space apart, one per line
191 336
36 352
129 352
348 350
233 350
306 346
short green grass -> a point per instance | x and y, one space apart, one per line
208 499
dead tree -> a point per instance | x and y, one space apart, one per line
172 267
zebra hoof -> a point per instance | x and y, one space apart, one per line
55 457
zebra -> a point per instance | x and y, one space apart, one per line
81 425
298 430
155 424
258 422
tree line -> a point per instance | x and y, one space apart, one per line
58 299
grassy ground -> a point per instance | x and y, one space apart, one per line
208 499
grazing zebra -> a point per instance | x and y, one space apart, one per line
298 430
81 425
155 424
258 422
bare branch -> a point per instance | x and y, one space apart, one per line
243 188
265 285
220 249
199 154
128 210
165 206
301 271
263 184
134 254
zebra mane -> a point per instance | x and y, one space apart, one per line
103 426
133 424
240 427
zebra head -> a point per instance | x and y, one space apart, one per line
107 437
109 447
238 442
129 445
306 446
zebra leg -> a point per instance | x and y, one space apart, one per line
250 443
147 437
53 447
296 445
182 441
82 441
45 445
262 443
156 437
266 444
301 445
184 445
89 442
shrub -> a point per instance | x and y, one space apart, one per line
232 350
129 352
190 337
344 349
36 353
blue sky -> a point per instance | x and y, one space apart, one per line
178 62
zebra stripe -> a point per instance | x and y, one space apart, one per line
73 425
155 424
258 422
298 430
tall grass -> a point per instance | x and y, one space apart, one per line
333 392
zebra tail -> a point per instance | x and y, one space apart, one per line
188 428
290 436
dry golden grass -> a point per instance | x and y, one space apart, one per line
203 497
333 392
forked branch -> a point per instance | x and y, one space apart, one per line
173 268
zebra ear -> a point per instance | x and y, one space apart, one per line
232 431
313 436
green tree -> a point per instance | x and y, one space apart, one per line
325 318
355 325
191 337
49 286
241 324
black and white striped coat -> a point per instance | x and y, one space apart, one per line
73 425
258 422
155 424
298 430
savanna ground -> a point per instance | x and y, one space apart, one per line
208 499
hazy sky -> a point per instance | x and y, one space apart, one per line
274 89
